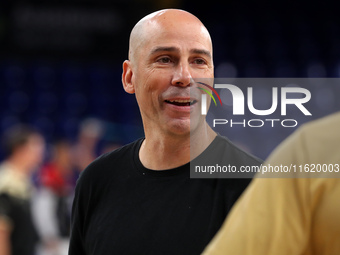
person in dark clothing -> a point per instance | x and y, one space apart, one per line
24 148
140 199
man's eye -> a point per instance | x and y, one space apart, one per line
164 60
199 61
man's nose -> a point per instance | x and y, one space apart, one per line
182 76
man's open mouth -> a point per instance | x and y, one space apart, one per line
184 102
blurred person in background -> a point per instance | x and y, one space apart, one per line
297 214
139 199
53 200
24 149
85 148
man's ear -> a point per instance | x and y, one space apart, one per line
127 77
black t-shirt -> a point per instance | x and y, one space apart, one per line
121 207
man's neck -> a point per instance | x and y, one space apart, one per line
161 152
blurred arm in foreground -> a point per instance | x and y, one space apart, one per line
296 213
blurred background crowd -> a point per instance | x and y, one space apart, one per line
60 76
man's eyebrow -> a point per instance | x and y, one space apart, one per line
175 49
161 49
201 51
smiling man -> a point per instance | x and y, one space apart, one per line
140 199
167 49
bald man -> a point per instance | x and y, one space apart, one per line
140 199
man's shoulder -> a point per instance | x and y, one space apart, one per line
119 153
234 153
111 162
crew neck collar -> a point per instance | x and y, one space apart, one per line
177 171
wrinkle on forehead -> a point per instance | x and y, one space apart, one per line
164 18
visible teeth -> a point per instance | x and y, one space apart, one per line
181 101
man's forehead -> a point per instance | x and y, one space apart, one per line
168 22
176 31
169 15
167 25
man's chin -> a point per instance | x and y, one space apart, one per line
179 127
183 127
